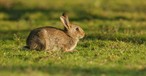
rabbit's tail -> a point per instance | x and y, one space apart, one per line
26 47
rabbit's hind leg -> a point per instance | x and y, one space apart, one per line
43 36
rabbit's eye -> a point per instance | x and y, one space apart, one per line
77 29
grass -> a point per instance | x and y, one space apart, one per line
114 44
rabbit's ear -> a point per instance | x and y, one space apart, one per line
65 20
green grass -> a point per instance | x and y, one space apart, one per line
114 45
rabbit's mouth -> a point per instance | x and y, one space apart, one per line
82 36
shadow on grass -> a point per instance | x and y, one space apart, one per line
82 14
10 35
60 70
112 37
17 14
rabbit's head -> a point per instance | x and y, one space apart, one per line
72 30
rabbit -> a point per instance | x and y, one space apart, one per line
51 38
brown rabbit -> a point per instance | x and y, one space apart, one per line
50 38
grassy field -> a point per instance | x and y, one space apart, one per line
114 45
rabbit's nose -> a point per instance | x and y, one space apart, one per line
82 35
